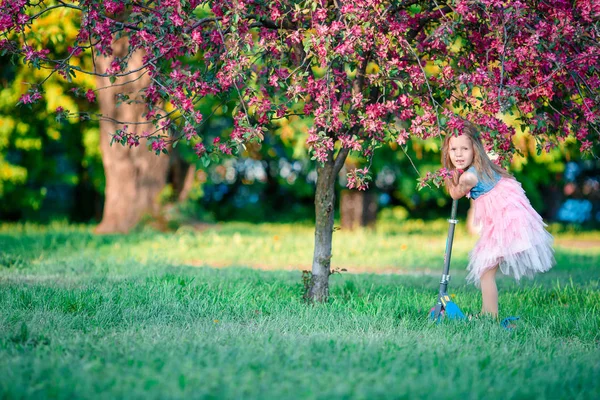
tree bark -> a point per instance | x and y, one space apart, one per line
357 209
134 177
324 212
188 183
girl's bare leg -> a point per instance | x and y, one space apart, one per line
489 292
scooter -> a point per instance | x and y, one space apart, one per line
444 306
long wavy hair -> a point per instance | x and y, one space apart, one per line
483 165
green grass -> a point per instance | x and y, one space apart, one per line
141 316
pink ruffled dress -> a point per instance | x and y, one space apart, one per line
513 234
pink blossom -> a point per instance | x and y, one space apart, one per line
159 145
114 68
320 14
6 22
275 13
133 141
151 94
31 54
90 96
197 36
22 19
402 137
455 124
358 179
582 134
223 148
586 145
30 97
176 19
199 149
189 131
114 7
147 37
351 142
357 99
273 79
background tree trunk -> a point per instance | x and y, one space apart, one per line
188 183
134 177
358 209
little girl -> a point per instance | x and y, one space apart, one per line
513 236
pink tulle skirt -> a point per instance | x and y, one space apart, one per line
513 234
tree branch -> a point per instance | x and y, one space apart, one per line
340 159
443 11
267 23
202 22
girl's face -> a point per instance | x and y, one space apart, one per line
460 149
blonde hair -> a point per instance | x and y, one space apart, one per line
483 165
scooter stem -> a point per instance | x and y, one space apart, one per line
447 255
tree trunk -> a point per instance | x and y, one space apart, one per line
134 177
188 183
324 212
357 209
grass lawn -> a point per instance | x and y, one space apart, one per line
156 315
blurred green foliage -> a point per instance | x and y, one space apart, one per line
47 168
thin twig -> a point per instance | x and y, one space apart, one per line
434 102
411 161
233 80
502 64
124 83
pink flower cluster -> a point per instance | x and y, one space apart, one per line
159 145
32 55
30 97
223 148
358 179
361 72
90 95
199 149
12 15
438 178
320 144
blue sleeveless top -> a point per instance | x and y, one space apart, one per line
483 186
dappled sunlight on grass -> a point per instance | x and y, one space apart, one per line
409 247
141 316
99 334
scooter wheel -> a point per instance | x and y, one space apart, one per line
432 313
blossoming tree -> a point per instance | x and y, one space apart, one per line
365 72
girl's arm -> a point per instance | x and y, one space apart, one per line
459 189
